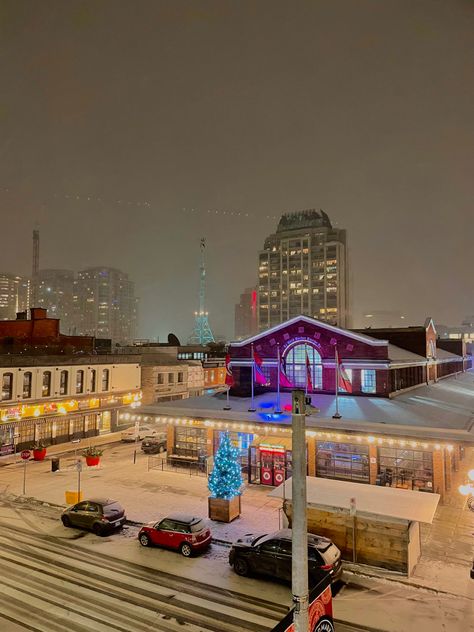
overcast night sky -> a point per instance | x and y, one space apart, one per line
361 108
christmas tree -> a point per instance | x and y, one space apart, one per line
225 480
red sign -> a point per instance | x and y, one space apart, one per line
25 454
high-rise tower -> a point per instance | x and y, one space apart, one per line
202 334
303 270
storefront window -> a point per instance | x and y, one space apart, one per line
190 442
241 440
407 469
295 365
343 461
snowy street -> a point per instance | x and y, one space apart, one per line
127 587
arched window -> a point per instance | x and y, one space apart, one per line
295 365
27 383
105 379
79 382
63 382
7 386
93 380
46 389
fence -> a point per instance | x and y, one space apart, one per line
191 469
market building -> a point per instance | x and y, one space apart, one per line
405 417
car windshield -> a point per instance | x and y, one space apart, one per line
257 539
198 526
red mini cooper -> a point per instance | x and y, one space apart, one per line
186 534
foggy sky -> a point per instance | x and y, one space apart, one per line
362 108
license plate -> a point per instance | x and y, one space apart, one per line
116 522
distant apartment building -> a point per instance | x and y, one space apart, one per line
15 295
303 270
105 305
246 314
55 290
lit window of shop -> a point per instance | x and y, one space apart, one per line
241 440
368 382
406 469
105 379
80 382
46 387
342 461
63 382
295 365
190 442
93 380
7 386
27 384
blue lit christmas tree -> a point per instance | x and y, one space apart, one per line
225 480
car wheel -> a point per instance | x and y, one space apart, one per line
186 549
144 540
65 520
241 567
98 529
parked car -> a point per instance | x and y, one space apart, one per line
99 515
184 533
154 444
270 554
129 435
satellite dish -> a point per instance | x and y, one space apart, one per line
173 340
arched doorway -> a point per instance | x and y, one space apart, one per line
295 365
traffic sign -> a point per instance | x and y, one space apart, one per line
25 454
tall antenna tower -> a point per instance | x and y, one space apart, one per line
35 269
202 334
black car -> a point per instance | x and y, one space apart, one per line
154 444
270 554
99 515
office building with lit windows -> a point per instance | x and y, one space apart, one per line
105 305
15 295
55 294
303 270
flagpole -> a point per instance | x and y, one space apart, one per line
278 408
252 408
337 415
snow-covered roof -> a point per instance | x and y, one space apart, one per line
398 354
442 354
442 411
311 321
384 502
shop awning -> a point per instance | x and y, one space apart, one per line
384 502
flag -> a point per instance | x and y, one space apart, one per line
343 379
259 375
284 381
309 383
229 378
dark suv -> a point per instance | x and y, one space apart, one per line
271 555
99 515
154 444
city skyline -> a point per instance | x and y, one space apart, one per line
136 117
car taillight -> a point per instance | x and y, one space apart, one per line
327 567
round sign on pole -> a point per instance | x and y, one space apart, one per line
25 454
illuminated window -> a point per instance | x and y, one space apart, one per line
105 379
63 382
7 386
368 380
295 365
79 382
27 383
46 388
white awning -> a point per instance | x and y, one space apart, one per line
384 502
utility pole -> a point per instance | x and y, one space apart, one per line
299 525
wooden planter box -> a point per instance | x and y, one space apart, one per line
224 510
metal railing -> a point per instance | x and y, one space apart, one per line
166 465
